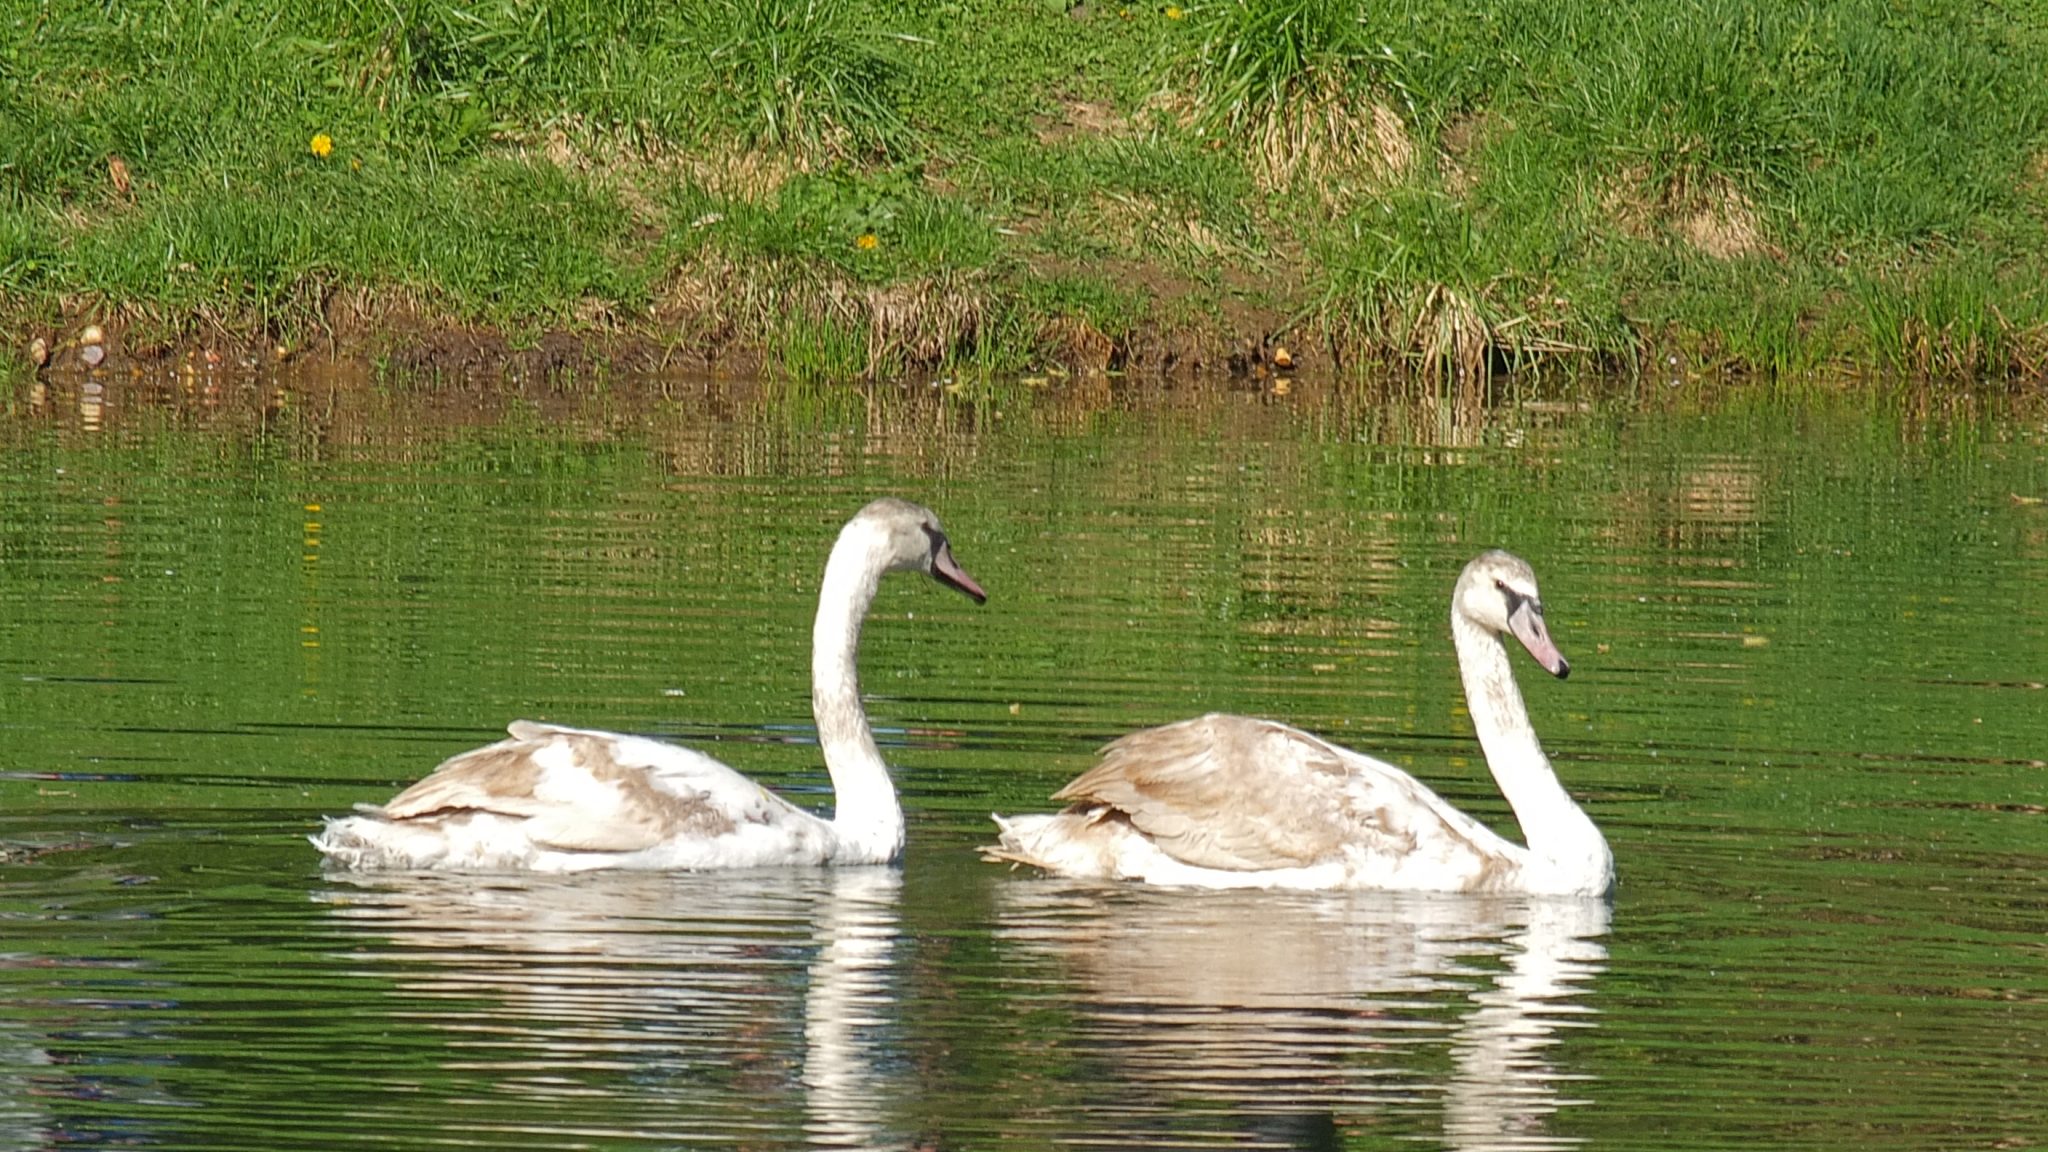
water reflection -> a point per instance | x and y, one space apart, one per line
847 1004
24 1076
1308 1015
679 1007
1811 643
81 1059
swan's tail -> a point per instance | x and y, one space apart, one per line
342 846
368 842
1014 835
1076 843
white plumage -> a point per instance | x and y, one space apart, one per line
555 799
1233 802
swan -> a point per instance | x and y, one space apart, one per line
1233 802
555 799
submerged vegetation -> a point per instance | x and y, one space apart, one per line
848 186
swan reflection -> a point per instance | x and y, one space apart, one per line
1305 1015
691 1008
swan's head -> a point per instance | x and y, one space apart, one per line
908 538
1498 593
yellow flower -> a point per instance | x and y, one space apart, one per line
867 242
1174 13
322 145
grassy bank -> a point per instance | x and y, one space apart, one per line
835 186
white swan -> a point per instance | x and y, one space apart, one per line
555 799
1233 802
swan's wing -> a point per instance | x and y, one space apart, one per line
579 790
1236 793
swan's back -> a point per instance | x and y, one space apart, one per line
569 799
1227 801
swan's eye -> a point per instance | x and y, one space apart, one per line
1501 586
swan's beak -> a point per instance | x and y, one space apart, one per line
1526 622
948 571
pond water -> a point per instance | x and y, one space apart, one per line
1808 635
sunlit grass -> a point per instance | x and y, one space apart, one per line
1446 183
816 76
1257 58
1418 276
1298 85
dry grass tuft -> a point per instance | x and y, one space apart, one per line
1076 341
1332 136
918 324
2036 181
911 325
1448 332
1140 225
1726 228
1081 120
1707 212
630 170
743 173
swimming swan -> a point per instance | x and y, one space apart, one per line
553 799
1233 802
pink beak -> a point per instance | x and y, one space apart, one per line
1526 622
948 571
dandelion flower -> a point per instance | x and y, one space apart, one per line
322 145
867 242
1173 12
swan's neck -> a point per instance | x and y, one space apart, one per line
867 820
1563 840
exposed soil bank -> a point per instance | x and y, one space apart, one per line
399 338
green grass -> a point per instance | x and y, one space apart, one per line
875 186
1259 59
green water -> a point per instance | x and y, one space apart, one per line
1808 636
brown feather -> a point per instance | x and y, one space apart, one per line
498 778
1236 793
504 778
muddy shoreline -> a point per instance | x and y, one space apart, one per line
397 336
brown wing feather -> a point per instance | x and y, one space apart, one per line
610 808
497 778
1236 793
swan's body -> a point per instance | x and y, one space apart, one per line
554 799
1233 802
